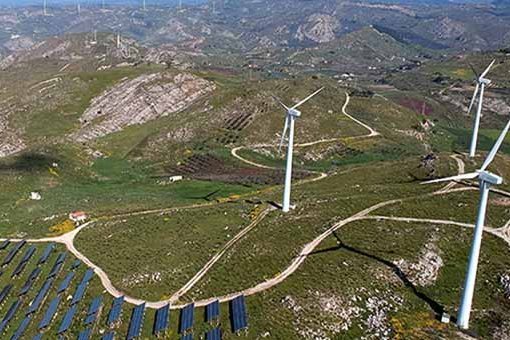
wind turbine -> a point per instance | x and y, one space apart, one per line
291 115
481 82
485 180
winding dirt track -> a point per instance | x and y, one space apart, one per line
68 238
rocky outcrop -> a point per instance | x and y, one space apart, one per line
138 101
447 28
10 142
319 28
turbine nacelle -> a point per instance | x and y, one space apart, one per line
489 177
484 81
294 113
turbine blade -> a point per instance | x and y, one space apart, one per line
495 148
487 69
284 133
281 103
477 87
453 178
308 98
474 71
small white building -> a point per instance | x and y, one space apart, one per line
78 216
35 196
175 179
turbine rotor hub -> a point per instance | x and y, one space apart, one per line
489 177
294 113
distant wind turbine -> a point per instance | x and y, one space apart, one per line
45 12
481 82
291 114
485 180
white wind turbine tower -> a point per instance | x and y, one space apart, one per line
485 180
481 83
45 12
291 115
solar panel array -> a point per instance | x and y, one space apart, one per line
10 314
67 320
80 291
30 281
85 334
10 255
22 328
238 314
41 295
94 307
115 311
65 282
213 334
108 336
50 313
5 292
4 244
46 254
135 325
161 319
187 314
187 337
212 311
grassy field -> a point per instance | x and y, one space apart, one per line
152 256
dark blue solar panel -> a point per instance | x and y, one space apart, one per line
13 252
75 264
46 254
93 310
10 314
30 281
56 269
212 311
238 313
114 314
95 305
85 334
19 268
187 315
80 291
22 328
41 295
187 337
61 257
67 320
50 313
5 292
28 254
213 334
4 244
88 275
135 325
161 319
37 337
108 336
65 283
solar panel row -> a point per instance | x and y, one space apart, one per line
28 254
50 313
41 295
187 314
212 311
55 269
75 264
187 337
46 253
238 313
30 281
19 268
80 290
94 307
85 334
213 334
161 319
135 325
65 283
10 255
115 311
37 337
10 314
22 328
61 257
67 320
5 292
108 336
4 244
